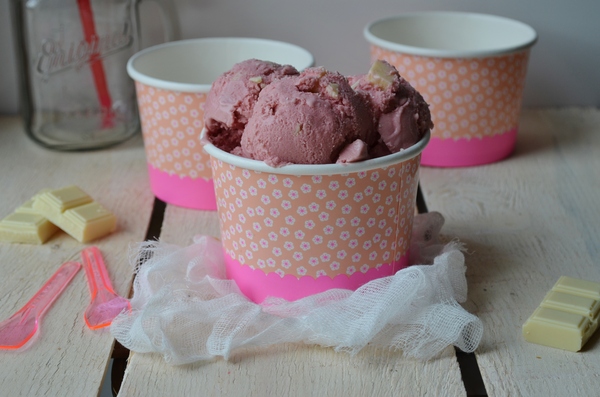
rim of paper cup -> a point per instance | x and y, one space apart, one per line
527 36
316 169
248 46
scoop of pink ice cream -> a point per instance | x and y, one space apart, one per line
232 97
307 119
402 114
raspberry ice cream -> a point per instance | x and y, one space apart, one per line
307 119
266 112
232 97
402 114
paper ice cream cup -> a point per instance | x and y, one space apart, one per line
470 68
297 230
172 81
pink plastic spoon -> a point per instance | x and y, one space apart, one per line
16 331
105 304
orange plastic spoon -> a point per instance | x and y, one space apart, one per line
105 304
16 331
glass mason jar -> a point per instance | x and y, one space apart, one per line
72 56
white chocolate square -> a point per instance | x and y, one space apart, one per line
75 212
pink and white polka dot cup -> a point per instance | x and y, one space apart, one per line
470 68
297 230
172 81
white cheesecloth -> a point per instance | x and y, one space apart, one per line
184 308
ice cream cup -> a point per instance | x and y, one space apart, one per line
172 81
297 230
470 68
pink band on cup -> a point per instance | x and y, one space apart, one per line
465 153
186 192
258 285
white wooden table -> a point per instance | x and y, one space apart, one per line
525 221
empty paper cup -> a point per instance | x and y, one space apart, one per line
172 81
471 70
297 230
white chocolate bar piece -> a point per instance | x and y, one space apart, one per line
26 228
567 317
381 74
26 225
75 212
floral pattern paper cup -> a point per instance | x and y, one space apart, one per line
470 68
172 81
297 230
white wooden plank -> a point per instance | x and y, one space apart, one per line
526 221
285 370
67 359
296 370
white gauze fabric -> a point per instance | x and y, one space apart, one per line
184 308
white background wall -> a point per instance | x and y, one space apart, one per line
564 67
